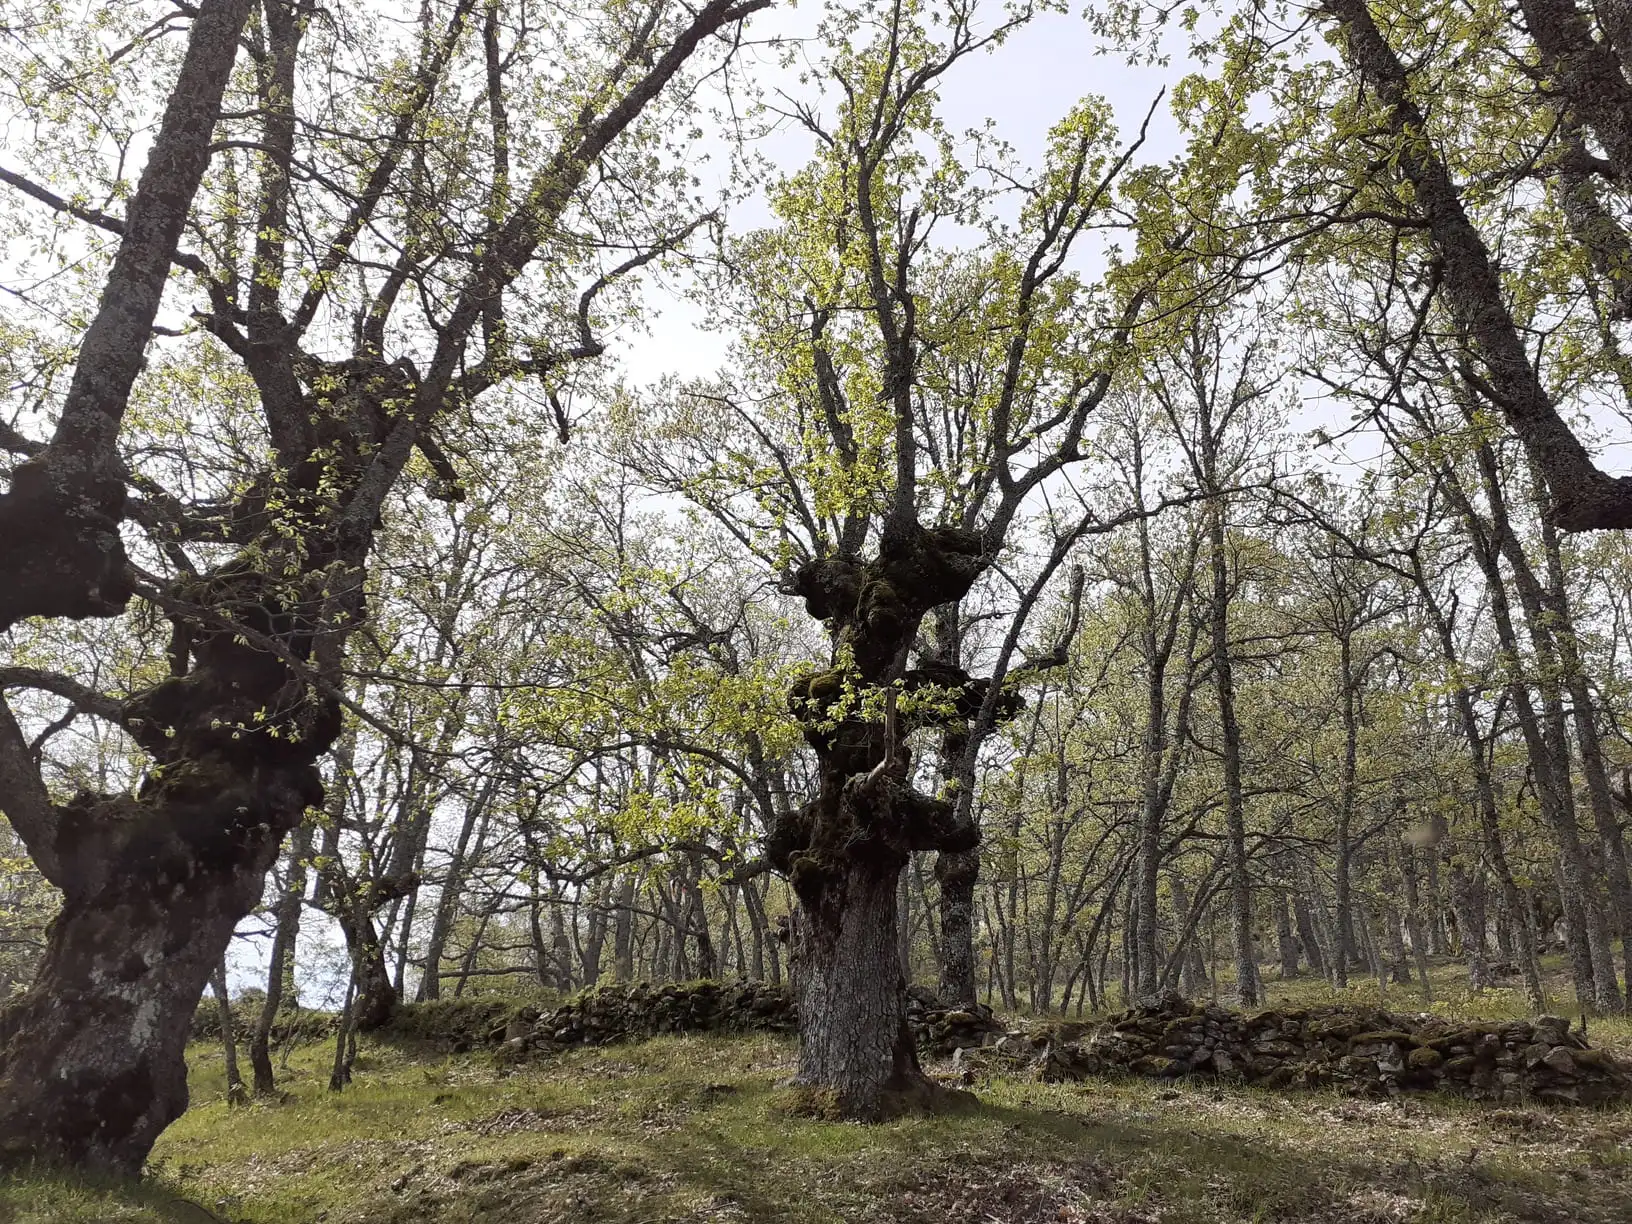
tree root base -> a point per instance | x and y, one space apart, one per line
908 1096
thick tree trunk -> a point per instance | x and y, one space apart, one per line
844 851
91 1057
377 999
853 1036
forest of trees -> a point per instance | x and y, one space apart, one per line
1078 579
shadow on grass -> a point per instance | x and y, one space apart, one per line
1011 1164
57 1197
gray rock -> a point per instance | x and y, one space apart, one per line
1560 1061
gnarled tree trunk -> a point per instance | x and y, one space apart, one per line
91 1066
845 850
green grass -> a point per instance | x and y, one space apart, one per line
695 1129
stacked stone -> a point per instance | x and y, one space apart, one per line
942 1028
1363 1051
615 1013
290 1025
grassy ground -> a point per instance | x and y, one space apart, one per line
692 1129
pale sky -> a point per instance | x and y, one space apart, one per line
1024 86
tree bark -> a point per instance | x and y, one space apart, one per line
1584 497
1246 960
91 1057
376 1000
60 547
280 971
957 875
855 1042
229 1037
845 850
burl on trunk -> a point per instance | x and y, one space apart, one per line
844 851
91 1058
91 1066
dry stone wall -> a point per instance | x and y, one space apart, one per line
1361 1050
612 1014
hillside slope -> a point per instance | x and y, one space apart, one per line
694 1129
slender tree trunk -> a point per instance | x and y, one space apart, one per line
957 875
229 1037
1484 788
758 927
1588 936
1192 969
1583 714
447 902
1470 925
903 932
1436 905
595 943
344 1034
1343 865
280 970
1286 942
1415 928
1235 820
623 941
1307 935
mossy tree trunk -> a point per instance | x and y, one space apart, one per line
91 1067
845 850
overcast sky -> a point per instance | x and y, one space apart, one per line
1024 86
